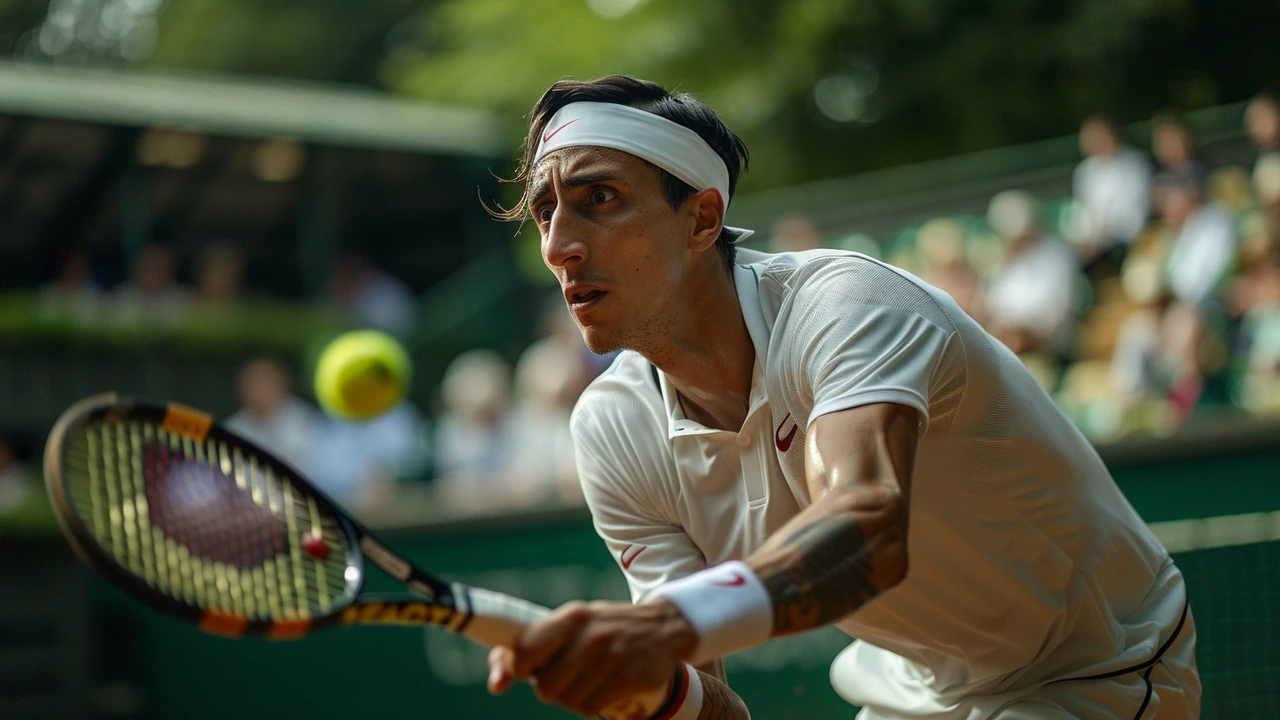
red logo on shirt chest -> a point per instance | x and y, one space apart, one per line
784 443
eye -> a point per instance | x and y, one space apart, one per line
600 196
542 213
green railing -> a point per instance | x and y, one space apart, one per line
1215 499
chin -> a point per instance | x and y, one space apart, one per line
600 341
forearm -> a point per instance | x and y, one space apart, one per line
712 700
833 558
719 702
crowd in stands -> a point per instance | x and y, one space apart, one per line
153 296
1148 296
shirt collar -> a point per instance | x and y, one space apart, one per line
747 281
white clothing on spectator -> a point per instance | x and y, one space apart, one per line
1114 196
1201 254
289 433
1036 291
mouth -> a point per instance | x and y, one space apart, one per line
584 298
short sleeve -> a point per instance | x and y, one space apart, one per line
857 332
622 474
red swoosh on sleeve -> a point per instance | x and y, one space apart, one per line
735 582
626 561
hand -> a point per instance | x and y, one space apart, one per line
592 657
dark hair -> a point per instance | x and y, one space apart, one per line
1105 121
682 109
1265 97
1165 118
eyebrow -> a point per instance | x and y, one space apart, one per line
544 187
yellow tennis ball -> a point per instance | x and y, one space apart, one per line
361 375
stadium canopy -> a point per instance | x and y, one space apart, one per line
249 107
104 162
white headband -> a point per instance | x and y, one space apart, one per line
671 146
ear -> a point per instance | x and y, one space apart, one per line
708 216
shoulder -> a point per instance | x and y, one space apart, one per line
1133 159
826 284
623 401
619 435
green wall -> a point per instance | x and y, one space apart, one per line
393 673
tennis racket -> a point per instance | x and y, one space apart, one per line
200 523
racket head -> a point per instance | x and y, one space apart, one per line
198 522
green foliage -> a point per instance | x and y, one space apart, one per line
817 88
329 40
921 78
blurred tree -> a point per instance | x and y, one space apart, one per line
330 40
824 87
816 87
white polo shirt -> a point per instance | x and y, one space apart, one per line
1026 561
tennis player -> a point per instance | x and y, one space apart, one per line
803 439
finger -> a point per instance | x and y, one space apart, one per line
595 688
619 696
544 640
562 671
500 679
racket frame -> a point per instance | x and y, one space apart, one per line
437 606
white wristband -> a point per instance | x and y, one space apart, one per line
680 699
728 607
686 696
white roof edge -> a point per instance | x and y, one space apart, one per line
249 107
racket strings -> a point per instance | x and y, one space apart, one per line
205 523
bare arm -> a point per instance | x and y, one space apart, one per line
718 701
850 544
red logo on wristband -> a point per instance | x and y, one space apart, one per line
735 582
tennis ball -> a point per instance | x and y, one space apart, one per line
361 375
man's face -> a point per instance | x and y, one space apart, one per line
1096 139
1262 123
620 252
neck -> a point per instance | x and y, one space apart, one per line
707 353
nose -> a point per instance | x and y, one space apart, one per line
563 244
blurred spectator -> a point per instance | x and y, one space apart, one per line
472 436
542 463
1033 296
795 233
373 296
73 294
152 295
272 416
357 463
1111 190
15 478
1266 187
219 275
1174 148
1262 123
1259 388
558 325
941 246
1203 241
1257 281
1180 360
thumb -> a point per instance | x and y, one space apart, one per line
500 680
542 640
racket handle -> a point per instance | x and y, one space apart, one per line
496 618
